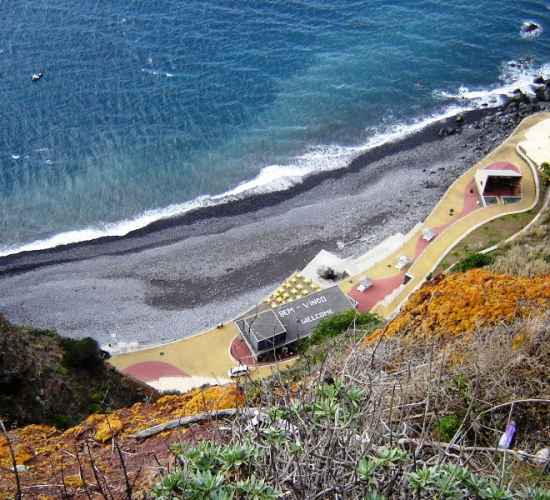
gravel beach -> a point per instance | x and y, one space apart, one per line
184 275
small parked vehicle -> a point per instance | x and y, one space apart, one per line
238 371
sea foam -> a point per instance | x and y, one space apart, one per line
514 75
272 178
275 178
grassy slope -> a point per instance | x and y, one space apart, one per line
491 234
529 255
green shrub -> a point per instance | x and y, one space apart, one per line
215 471
95 408
447 426
339 323
545 168
473 261
61 370
83 353
98 396
62 421
39 332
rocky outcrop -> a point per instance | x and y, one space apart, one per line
542 93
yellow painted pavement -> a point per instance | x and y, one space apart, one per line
434 253
207 354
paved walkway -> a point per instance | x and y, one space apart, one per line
467 215
208 354
203 355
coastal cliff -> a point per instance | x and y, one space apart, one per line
414 409
49 379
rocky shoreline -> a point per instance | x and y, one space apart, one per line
188 274
504 118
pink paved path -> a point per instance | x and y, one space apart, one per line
384 286
421 243
153 370
470 199
240 351
470 204
380 288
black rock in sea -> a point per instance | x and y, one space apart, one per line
530 27
543 93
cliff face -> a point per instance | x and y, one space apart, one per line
45 378
84 454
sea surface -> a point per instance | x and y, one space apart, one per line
148 109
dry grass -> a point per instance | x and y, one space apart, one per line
356 408
529 255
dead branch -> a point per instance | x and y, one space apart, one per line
193 419
18 495
515 402
124 470
521 455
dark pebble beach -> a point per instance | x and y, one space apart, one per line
183 275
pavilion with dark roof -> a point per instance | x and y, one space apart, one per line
266 331
498 183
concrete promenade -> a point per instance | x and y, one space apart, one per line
206 356
452 226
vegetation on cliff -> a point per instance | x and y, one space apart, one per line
85 457
414 409
462 302
48 379
396 419
528 255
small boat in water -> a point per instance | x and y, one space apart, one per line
37 76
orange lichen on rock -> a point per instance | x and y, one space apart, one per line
22 452
170 407
462 302
107 428
74 481
47 450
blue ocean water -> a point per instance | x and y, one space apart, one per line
148 109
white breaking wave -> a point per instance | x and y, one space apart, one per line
157 73
273 178
514 75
